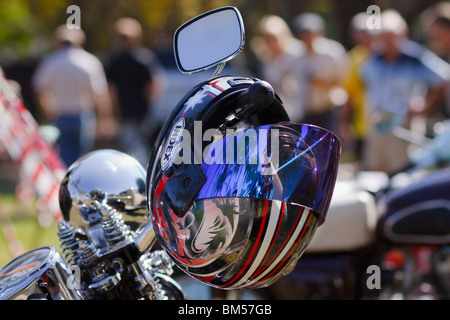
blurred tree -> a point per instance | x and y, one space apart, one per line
27 26
16 27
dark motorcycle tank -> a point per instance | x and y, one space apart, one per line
419 213
317 277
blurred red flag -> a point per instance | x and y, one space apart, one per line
41 168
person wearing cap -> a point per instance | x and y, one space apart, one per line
403 80
319 72
277 50
437 22
136 79
72 93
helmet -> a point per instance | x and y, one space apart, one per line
106 176
235 190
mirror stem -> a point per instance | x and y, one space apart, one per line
219 69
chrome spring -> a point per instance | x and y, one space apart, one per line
68 242
85 251
114 228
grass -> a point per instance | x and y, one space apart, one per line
20 229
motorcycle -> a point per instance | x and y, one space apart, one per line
386 237
103 254
115 214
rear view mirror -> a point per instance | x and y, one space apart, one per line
209 40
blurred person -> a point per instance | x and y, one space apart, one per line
403 79
72 92
277 49
319 72
437 22
135 79
354 121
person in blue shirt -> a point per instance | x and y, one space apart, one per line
402 79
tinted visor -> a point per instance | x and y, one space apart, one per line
296 163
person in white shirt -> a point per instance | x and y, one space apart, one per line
72 92
320 72
277 50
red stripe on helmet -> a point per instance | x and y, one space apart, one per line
215 84
305 227
261 268
208 279
258 239
160 221
285 241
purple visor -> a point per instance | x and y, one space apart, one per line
296 163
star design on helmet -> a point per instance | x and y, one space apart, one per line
202 96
